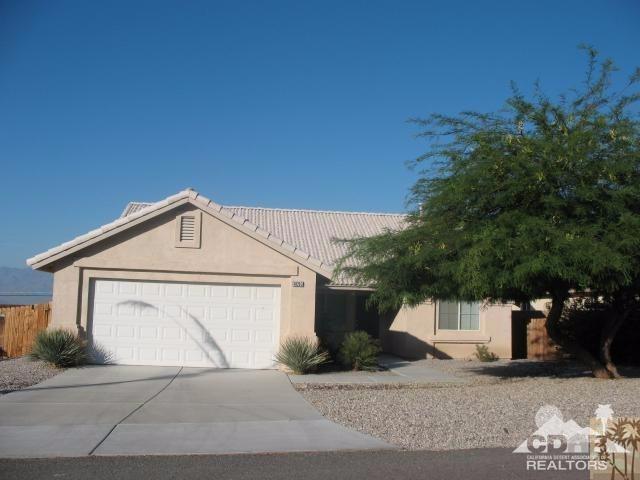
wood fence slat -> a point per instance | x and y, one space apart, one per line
20 326
539 344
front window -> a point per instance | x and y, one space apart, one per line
458 315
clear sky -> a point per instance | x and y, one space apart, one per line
297 104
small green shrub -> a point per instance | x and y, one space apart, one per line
59 347
359 351
484 355
301 355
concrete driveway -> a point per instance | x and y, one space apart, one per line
128 410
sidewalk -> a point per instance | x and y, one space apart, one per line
398 371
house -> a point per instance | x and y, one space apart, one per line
186 281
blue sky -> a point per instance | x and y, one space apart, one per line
266 103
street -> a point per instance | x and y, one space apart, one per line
498 464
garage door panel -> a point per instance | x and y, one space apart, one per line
127 288
242 292
264 294
105 287
262 356
264 337
171 311
240 336
152 289
125 331
264 315
162 323
241 314
242 358
125 354
148 310
102 330
219 291
171 333
173 290
100 308
125 309
218 313
196 311
146 354
197 291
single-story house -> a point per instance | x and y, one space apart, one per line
186 281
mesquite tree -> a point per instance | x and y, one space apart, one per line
538 200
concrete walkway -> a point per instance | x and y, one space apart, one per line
397 371
127 410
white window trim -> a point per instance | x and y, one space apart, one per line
195 243
459 319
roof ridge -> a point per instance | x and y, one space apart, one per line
344 212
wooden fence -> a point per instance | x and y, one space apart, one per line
529 337
539 344
20 325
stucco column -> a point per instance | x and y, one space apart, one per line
303 305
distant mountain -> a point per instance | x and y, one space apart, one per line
24 280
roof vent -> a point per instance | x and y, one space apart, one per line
188 230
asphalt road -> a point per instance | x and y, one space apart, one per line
492 464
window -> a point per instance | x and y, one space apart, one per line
458 315
188 230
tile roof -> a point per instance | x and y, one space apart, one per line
309 234
313 231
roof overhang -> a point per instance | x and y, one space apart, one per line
42 260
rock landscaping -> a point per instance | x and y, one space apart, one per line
19 373
495 406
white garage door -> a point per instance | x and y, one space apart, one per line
190 324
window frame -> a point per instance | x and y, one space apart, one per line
459 317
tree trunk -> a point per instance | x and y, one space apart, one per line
568 344
608 335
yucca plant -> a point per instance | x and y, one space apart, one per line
301 355
359 351
60 347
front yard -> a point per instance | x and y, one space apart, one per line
494 407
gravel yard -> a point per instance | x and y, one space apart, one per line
19 373
495 407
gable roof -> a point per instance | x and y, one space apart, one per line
306 235
313 231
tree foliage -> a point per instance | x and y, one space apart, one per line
536 200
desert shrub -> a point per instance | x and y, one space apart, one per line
60 347
99 354
301 355
359 351
484 354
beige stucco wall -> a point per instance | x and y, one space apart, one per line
148 252
413 333
227 255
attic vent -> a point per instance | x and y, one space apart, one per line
188 227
